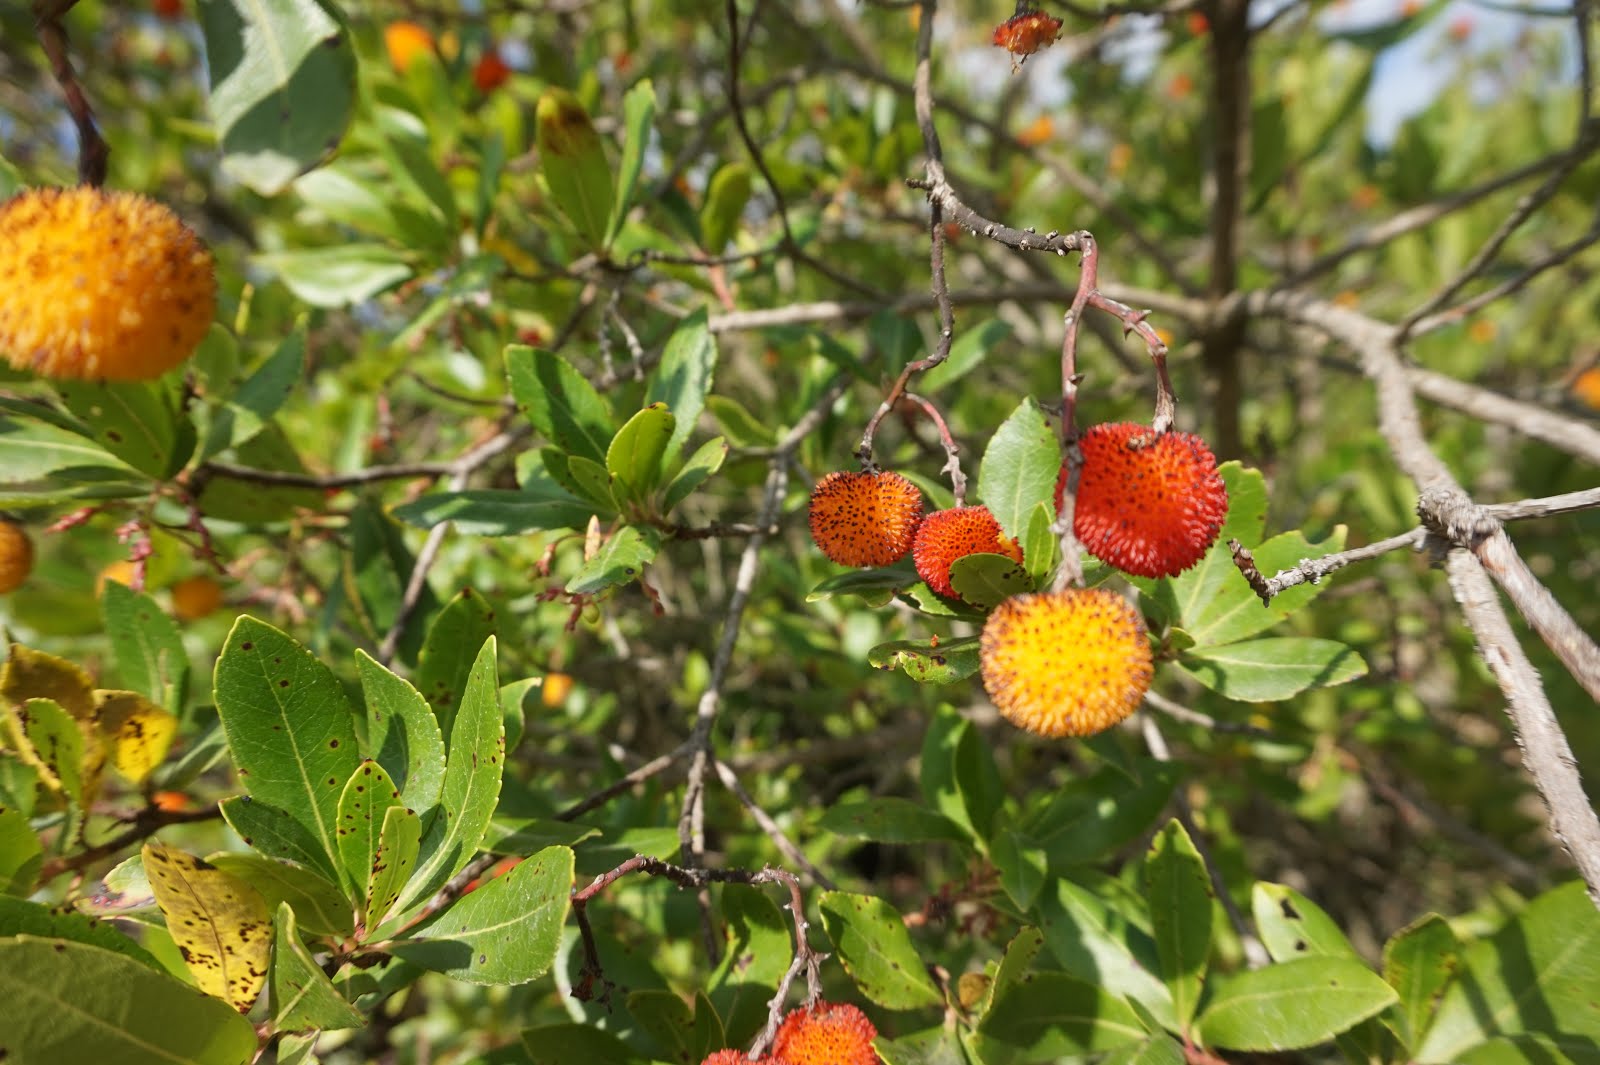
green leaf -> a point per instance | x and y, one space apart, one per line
966 354
950 661
289 726
876 951
593 482
505 932
1041 545
877 586
137 421
574 164
1091 817
560 402
1180 893
399 842
1273 668
684 1034
248 410
706 460
683 379
322 909
19 917
1531 1050
275 833
1247 503
452 645
621 558
1013 967
1024 867
58 744
1292 926
726 197
1218 607
1054 1015
31 450
21 854
931 1046
107 1007
959 778
367 798
1293 1004
337 274
889 820
758 951
635 456
302 995
472 779
490 512
563 1044
985 580
1094 940
1019 468
148 648
402 732
1540 973
283 86
1158 1049
1418 961
405 146
742 427
638 114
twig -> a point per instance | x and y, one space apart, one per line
785 845
146 822
1178 712
952 450
94 154
1511 284
1312 570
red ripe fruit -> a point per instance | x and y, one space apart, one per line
491 72
826 1034
865 519
1150 504
1026 32
948 535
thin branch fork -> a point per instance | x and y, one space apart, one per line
805 959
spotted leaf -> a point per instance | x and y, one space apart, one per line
221 925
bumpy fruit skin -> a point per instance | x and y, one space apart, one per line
1026 33
947 535
16 556
196 597
727 1057
404 42
1148 503
827 1034
100 285
1068 663
865 519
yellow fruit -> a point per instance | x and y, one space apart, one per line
1069 663
100 285
405 41
119 572
16 556
195 597
555 689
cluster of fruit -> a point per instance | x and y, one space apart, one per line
1069 662
824 1034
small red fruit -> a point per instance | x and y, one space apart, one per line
1148 503
826 1034
171 10
491 72
948 535
865 519
1026 32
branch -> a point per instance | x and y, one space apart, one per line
1312 570
146 822
94 154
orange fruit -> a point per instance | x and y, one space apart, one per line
195 597
865 519
405 41
16 556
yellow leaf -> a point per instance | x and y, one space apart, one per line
220 923
30 674
138 732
